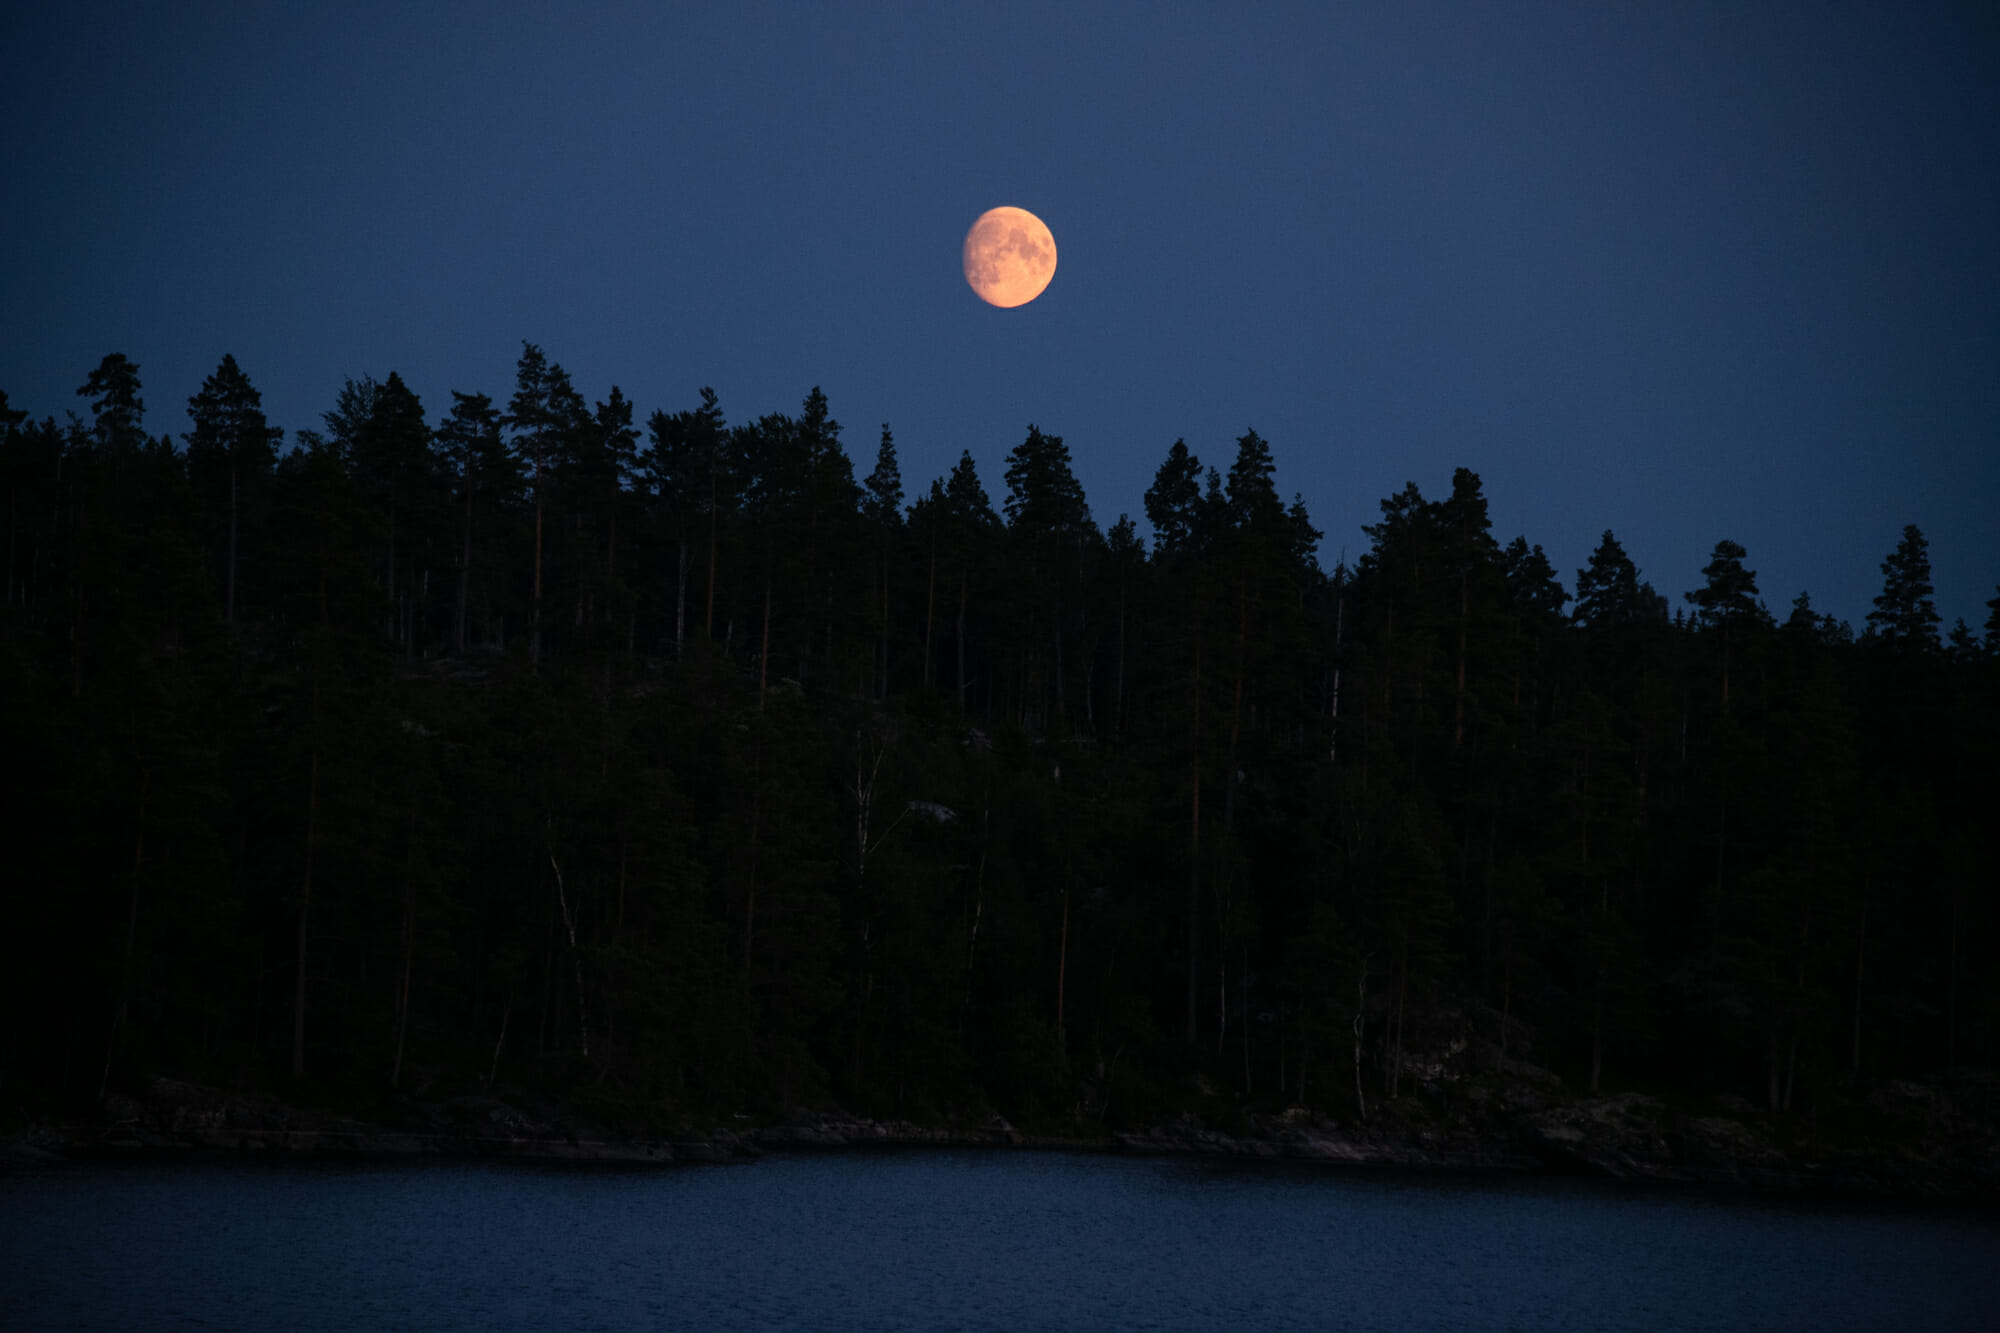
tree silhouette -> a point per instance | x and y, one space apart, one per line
1173 502
115 404
882 506
231 450
1203 830
470 449
1607 591
1905 614
1728 599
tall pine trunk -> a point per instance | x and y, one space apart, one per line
1224 891
229 597
930 605
680 600
1118 693
131 933
961 645
764 646
1062 971
882 688
1458 699
464 580
535 614
409 945
1194 855
1860 949
1360 1025
750 883
708 623
978 909
305 909
395 606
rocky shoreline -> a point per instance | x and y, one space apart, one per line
1904 1141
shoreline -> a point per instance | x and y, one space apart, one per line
1627 1137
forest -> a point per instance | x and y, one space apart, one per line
662 764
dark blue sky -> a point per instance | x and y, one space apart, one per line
1684 271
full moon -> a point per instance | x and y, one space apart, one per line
1009 256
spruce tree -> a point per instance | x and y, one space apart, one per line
882 498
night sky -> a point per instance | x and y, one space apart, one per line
1683 271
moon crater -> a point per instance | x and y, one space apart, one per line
1010 255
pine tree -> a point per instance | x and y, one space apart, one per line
1802 620
966 497
328 541
1400 582
1047 521
957 523
685 462
231 450
606 464
1302 546
543 415
1472 561
1731 591
1727 600
831 531
1128 557
1043 495
1610 591
115 404
1253 495
352 409
882 500
1531 579
882 506
1905 614
28 464
1607 592
470 448
391 461
1173 502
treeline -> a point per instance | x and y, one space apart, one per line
666 764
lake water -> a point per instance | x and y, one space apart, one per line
993 1240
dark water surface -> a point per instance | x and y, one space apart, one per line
994 1240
